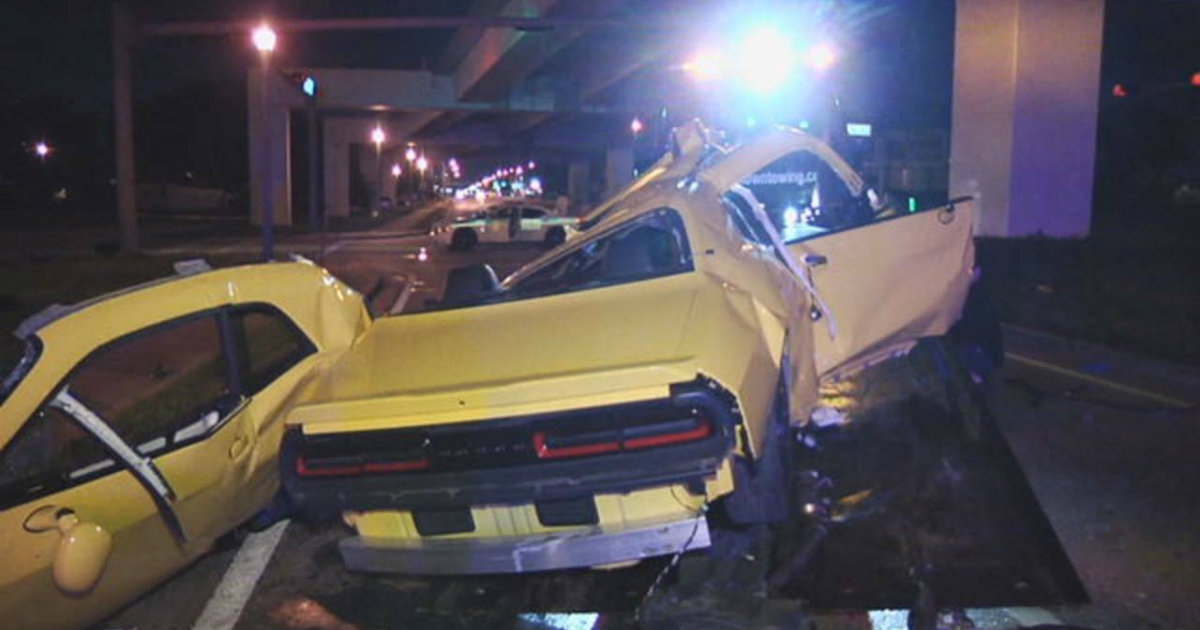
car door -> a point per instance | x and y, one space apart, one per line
496 226
121 446
532 227
880 283
184 401
888 283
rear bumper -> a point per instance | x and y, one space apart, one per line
690 463
576 548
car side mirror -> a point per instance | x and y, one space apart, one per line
468 285
83 548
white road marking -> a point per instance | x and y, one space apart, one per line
225 607
336 246
1128 389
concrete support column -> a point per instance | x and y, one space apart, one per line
579 181
618 169
275 133
1026 92
337 167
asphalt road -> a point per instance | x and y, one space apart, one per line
1108 455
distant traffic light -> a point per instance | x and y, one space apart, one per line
1119 91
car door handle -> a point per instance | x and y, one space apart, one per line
815 260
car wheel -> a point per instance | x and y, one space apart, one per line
762 491
463 240
555 236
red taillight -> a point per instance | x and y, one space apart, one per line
699 431
547 452
304 469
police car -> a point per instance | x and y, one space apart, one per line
506 223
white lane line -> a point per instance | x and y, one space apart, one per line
1103 382
336 246
225 607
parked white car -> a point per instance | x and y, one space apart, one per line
507 223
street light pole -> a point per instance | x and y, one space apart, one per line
378 136
264 40
314 200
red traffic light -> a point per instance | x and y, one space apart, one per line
1119 91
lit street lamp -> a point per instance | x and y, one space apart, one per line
378 137
42 150
396 170
636 126
410 154
264 40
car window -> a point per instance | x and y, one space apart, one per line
651 246
49 453
158 389
269 344
154 384
804 197
532 213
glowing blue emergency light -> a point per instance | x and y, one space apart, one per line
309 87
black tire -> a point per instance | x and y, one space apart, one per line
762 490
464 240
555 236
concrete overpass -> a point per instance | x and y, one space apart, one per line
563 76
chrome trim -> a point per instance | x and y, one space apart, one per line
576 548
142 468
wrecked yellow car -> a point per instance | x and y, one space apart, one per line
590 408
141 426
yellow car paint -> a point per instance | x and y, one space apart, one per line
219 482
735 319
